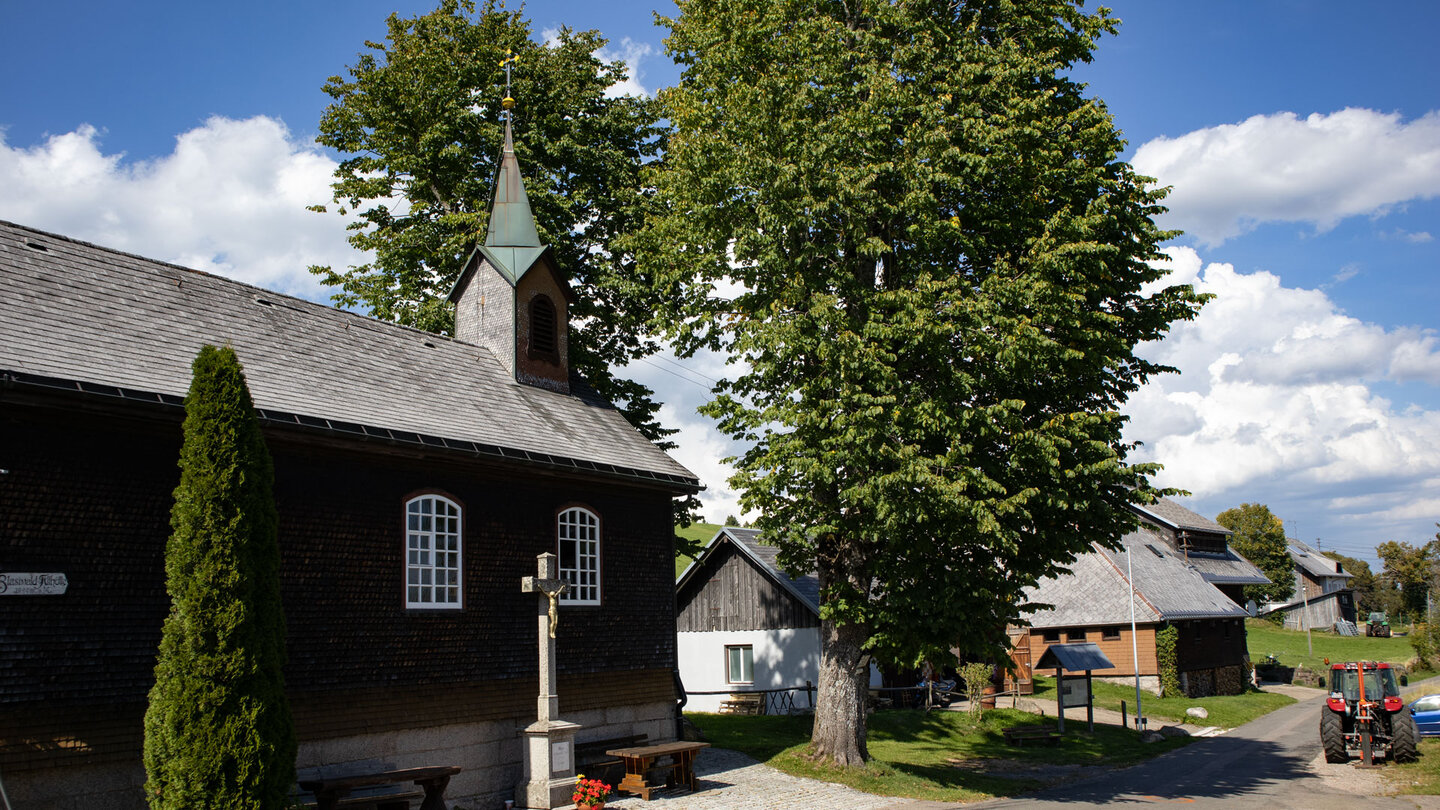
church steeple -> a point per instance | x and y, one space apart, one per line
511 240
511 297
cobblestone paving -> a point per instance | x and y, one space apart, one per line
730 780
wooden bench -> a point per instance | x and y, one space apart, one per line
592 759
1024 735
743 703
370 788
638 759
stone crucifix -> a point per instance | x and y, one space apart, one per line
549 767
549 585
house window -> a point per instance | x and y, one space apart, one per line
1051 636
740 664
432 546
579 534
542 328
1110 634
1074 635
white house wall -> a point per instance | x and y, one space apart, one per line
782 658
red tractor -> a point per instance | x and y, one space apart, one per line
1366 713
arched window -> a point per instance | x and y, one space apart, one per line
432 549
579 534
543 341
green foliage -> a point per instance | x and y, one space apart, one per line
218 731
1425 640
730 520
419 120
1260 537
941 274
976 676
1410 570
1168 660
1366 585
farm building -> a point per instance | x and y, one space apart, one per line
1181 573
744 625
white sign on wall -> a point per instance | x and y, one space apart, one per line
14 583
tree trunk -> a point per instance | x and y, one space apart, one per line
840 700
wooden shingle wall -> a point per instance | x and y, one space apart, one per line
89 494
735 595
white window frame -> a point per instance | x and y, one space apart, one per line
729 668
580 527
427 575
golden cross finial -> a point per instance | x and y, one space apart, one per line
508 103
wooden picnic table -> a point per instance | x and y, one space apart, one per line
330 790
639 758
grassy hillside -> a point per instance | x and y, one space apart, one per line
1291 648
700 533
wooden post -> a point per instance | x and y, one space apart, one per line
1060 695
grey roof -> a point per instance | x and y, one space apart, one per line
83 317
1172 514
1314 563
1229 568
806 588
1074 657
1097 590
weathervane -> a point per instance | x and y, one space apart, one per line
508 103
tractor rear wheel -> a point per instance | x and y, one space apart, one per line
1403 737
1332 737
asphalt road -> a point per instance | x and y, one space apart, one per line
1263 763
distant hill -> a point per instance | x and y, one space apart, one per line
700 534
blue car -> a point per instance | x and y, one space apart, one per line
1426 711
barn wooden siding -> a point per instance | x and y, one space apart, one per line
738 596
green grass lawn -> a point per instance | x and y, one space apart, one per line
701 532
1421 776
940 756
1226 711
1291 648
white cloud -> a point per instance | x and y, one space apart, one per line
630 52
1282 168
229 199
1277 394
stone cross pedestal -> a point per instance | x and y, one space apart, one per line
549 779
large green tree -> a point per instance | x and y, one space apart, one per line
1260 536
218 731
935 270
418 119
1411 570
1369 594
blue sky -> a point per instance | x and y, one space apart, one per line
1302 140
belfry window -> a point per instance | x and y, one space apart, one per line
543 341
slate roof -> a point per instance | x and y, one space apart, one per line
1169 513
1097 590
1229 568
1314 563
806 588
82 317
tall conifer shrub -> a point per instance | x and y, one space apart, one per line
218 730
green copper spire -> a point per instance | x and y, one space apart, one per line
511 242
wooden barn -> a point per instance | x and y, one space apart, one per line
1184 575
744 625
417 477
1323 595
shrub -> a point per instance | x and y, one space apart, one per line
218 730
1168 660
